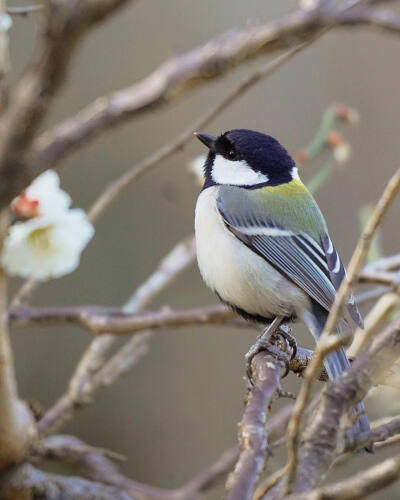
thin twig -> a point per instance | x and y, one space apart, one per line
102 320
379 434
374 322
358 486
28 480
4 60
24 11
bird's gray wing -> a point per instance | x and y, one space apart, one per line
296 255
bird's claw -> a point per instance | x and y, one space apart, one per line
291 340
263 343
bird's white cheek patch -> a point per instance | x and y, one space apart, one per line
237 173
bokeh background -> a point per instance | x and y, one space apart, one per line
178 409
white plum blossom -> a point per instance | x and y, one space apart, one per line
48 246
42 197
49 243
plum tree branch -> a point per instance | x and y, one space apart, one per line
102 320
16 422
267 366
359 486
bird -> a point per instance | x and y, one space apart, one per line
262 243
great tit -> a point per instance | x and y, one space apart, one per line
262 242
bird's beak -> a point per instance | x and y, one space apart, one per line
207 139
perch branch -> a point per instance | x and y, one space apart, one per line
268 366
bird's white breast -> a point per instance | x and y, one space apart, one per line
236 273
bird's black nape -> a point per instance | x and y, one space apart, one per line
260 152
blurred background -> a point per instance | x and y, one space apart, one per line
178 409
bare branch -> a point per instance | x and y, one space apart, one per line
183 73
359 486
24 11
268 366
378 434
374 322
16 422
27 480
4 60
101 320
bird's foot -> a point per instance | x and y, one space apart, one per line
290 339
263 343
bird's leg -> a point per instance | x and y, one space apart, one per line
262 343
290 339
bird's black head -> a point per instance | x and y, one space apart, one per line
246 158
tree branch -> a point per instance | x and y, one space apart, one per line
27 480
377 435
24 11
16 422
268 366
359 486
102 320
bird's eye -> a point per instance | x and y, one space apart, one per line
231 154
